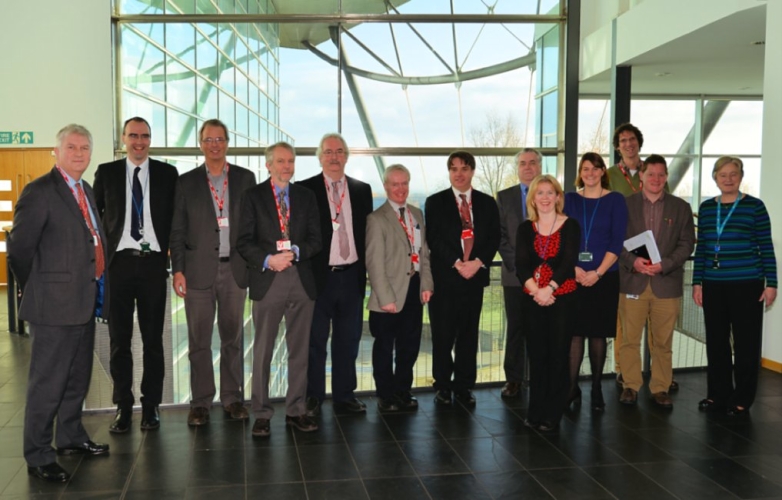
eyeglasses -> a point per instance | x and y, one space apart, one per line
216 140
338 152
145 137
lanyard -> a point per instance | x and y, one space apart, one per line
591 220
626 174
220 201
720 223
90 226
410 233
337 206
284 223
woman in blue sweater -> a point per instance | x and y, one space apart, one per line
735 275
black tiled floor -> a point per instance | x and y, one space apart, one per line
451 453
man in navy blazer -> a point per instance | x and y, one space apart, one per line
278 237
57 252
135 199
463 232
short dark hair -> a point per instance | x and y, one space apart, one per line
596 160
136 119
466 157
628 127
213 122
654 160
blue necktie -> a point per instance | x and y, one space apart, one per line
524 201
137 214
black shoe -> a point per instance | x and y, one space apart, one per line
511 390
302 422
261 427
351 405
387 404
547 426
50 472
598 403
736 411
674 386
121 423
150 418
442 397
313 407
574 401
406 401
465 397
86 448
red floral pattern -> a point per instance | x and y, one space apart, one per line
550 245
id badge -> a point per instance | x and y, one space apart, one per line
467 234
414 258
715 264
632 297
222 222
145 247
585 257
283 245
334 225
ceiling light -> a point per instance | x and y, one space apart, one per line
662 74
759 42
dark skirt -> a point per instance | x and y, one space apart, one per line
596 307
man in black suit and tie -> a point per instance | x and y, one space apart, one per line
463 232
340 275
135 198
57 253
279 234
210 274
512 204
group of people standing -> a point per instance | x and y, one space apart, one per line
305 250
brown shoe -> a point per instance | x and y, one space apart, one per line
511 390
302 422
198 416
662 399
629 397
236 411
261 427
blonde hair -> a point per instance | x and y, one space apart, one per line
532 211
725 160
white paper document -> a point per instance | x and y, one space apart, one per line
644 246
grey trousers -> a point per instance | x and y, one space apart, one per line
226 299
286 298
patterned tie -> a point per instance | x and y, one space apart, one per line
284 215
342 232
464 211
136 216
99 263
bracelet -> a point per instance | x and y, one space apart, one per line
553 288
598 274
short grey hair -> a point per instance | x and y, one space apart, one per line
73 128
332 135
269 153
396 167
528 150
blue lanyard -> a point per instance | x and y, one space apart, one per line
591 220
720 223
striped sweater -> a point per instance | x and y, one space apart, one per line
746 251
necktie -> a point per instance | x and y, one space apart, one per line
342 232
464 211
524 201
284 215
137 214
99 262
402 213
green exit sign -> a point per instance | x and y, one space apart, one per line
16 137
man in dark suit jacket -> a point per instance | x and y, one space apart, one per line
210 274
651 291
135 198
340 275
463 232
57 253
278 236
512 204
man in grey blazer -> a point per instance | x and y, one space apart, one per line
512 204
279 235
652 291
57 253
210 274
401 283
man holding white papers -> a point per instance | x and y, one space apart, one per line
652 291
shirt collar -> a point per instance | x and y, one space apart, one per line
396 206
456 193
132 166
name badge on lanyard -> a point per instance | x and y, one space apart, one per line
467 234
222 222
283 245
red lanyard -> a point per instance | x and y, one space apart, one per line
337 207
78 201
284 224
626 174
220 201
411 232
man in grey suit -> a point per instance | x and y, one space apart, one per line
401 282
278 236
210 274
57 253
512 203
652 291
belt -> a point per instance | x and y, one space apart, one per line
128 252
344 267
225 259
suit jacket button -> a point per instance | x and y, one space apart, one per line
94 280
217 249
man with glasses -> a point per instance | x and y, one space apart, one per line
210 274
135 199
340 275
512 203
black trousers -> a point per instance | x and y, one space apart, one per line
455 316
137 282
548 331
400 332
514 344
733 307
